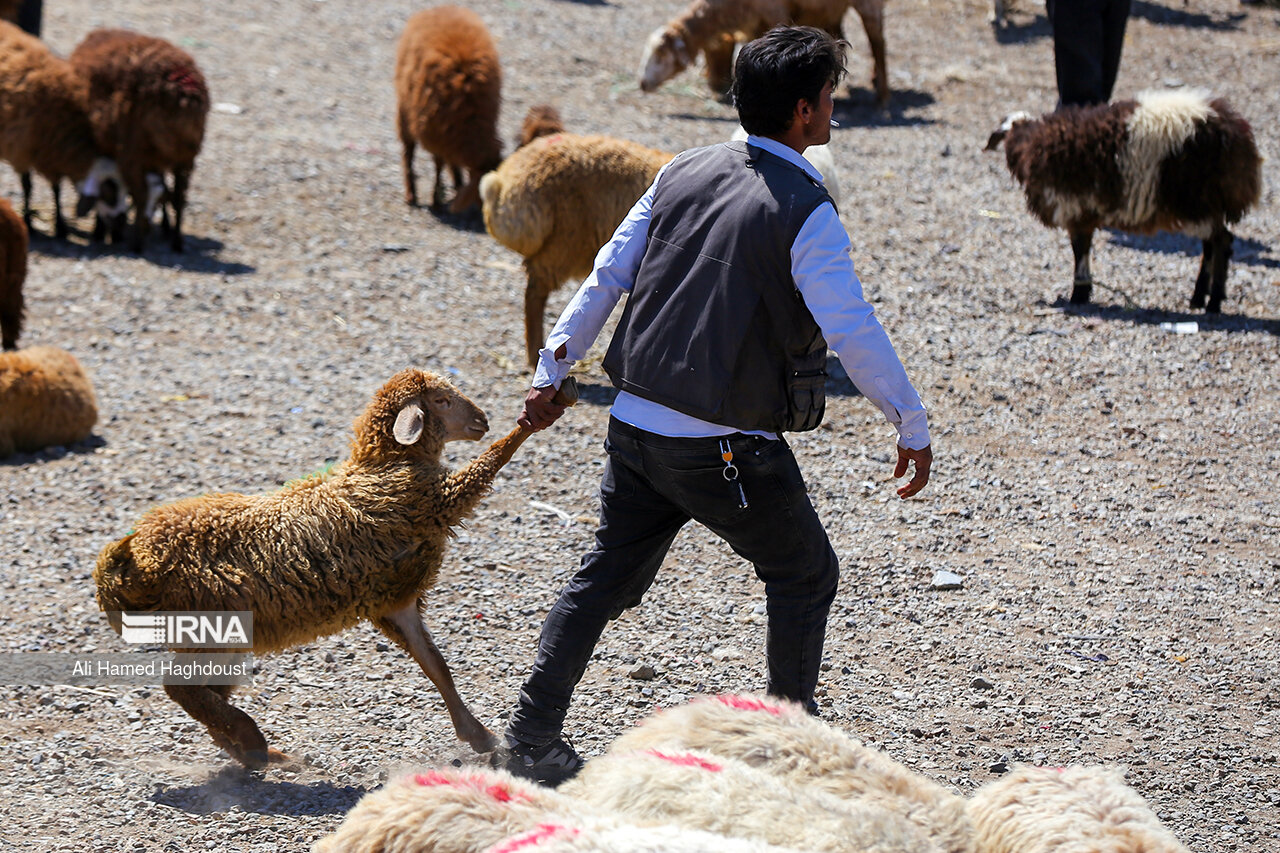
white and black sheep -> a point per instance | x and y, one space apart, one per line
699 790
556 201
715 27
1173 161
479 810
321 554
44 123
1066 810
779 737
13 273
448 91
46 400
148 104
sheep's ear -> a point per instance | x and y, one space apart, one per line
409 424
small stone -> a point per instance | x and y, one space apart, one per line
981 683
943 580
644 672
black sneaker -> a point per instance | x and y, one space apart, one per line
548 764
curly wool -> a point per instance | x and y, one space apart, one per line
46 399
1066 810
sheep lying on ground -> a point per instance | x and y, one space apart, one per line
44 123
321 554
148 103
714 27
779 737
46 399
709 792
471 811
1173 161
13 273
556 201
448 89
1066 810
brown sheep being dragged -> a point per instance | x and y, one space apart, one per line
46 400
363 542
448 89
1172 161
44 123
13 272
556 201
148 103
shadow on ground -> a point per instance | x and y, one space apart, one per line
240 788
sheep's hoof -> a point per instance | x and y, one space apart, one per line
1197 301
1081 293
1214 307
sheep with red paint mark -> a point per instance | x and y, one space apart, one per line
475 810
779 737
148 104
448 91
1066 810
1168 161
698 790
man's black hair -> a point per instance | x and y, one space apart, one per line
777 70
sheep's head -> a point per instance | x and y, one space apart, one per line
993 141
102 189
418 410
666 54
541 120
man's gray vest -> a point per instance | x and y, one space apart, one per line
714 326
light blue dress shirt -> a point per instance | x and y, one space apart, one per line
823 273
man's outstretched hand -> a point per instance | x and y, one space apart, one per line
540 409
924 461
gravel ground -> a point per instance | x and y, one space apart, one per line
1106 488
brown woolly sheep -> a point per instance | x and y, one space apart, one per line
148 104
475 810
363 542
541 120
13 272
44 122
46 399
779 737
448 90
1066 810
1172 161
556 201
714 28
698 790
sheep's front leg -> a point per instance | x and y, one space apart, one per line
718 56
1221 240
232 729
1082 288
181 178
467 486
872 14
404 627
25 178
60 229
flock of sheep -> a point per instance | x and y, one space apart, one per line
124 119
746 774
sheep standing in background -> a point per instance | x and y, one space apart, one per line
363 542
715 27
475 810
708 792
1172 161
148 103
448 90
13 273
779 737
44 123
556 201
1066 810
46 400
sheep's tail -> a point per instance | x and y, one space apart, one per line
117 577
514 217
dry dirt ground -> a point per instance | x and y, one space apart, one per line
1106 487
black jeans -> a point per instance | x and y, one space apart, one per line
652 486
1088 36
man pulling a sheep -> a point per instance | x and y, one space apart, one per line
739 276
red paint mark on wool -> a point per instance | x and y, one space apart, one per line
742 703
532 837
186 78
687 759
499 791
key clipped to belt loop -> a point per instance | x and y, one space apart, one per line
730 471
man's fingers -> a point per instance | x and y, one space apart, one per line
901 467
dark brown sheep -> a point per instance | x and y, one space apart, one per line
1171 161
13 272
148 103
448 90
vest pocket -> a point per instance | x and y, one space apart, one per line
807 396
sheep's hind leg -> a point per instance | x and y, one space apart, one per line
181 179
404 627
25 177
232 729
1221 240
1082 286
